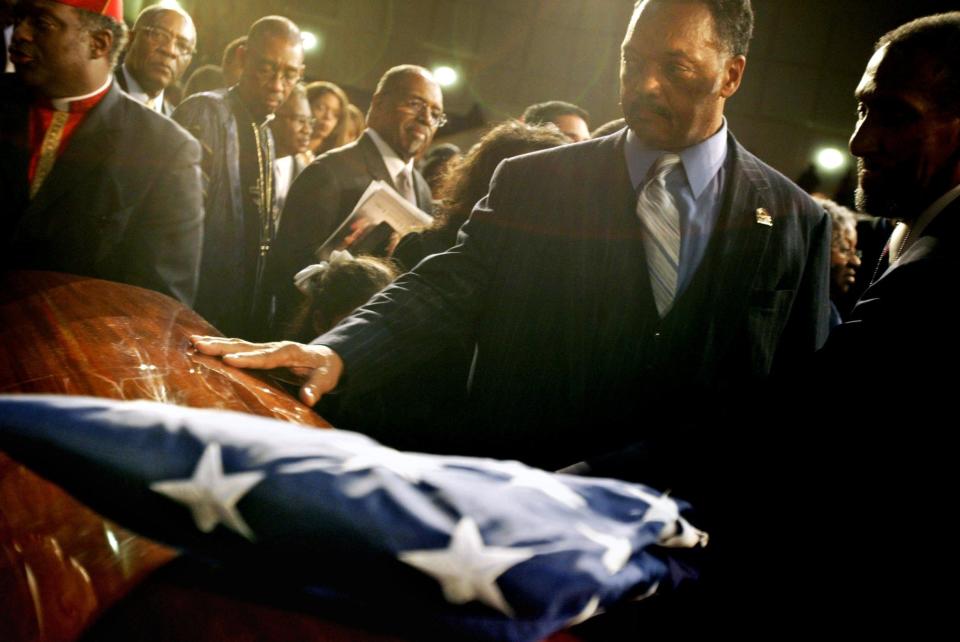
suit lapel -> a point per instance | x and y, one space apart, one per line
373 160
88 149
424 196
738 243
943 225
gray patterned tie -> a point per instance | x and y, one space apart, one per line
405 186
661 219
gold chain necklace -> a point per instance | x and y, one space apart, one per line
265 185
886 251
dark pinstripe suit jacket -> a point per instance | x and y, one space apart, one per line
549 281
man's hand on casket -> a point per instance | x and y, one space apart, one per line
320 366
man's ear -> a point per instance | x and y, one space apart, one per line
242 55
734 76
101 43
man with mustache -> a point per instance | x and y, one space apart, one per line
91 181
629 287
240 198
405 113
162 44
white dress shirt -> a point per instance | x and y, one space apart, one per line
135 91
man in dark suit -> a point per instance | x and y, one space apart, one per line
890 434
162 43
552 282
92 182
232 126
406 110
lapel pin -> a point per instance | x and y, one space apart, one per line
763 217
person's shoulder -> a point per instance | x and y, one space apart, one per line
207 103
781 188
338 154
569 165
150 127
327 171
12 90
11 84
340 162
208 99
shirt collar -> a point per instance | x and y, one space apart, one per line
701 162
391 159
136 91
63 104
240 111
933 211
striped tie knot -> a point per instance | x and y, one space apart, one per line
662 167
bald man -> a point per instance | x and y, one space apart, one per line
404 115
240 201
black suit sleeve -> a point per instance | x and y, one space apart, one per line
431 309
809 322
167 240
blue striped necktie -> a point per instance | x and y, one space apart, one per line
661 220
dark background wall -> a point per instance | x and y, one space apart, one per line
805 61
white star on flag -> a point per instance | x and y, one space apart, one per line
618 548
210 495
467 569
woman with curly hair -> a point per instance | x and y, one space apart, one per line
467 181
335 288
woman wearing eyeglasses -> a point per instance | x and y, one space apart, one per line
844 256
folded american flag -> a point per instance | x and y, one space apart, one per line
489 549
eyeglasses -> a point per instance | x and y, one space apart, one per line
419 107
267 71
160 37
849 252
300 120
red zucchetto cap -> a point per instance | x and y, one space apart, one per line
110 8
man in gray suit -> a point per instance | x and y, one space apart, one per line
617 289
406 111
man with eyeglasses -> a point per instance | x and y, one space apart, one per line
404 115
91 182
162 44
232 126
291 129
